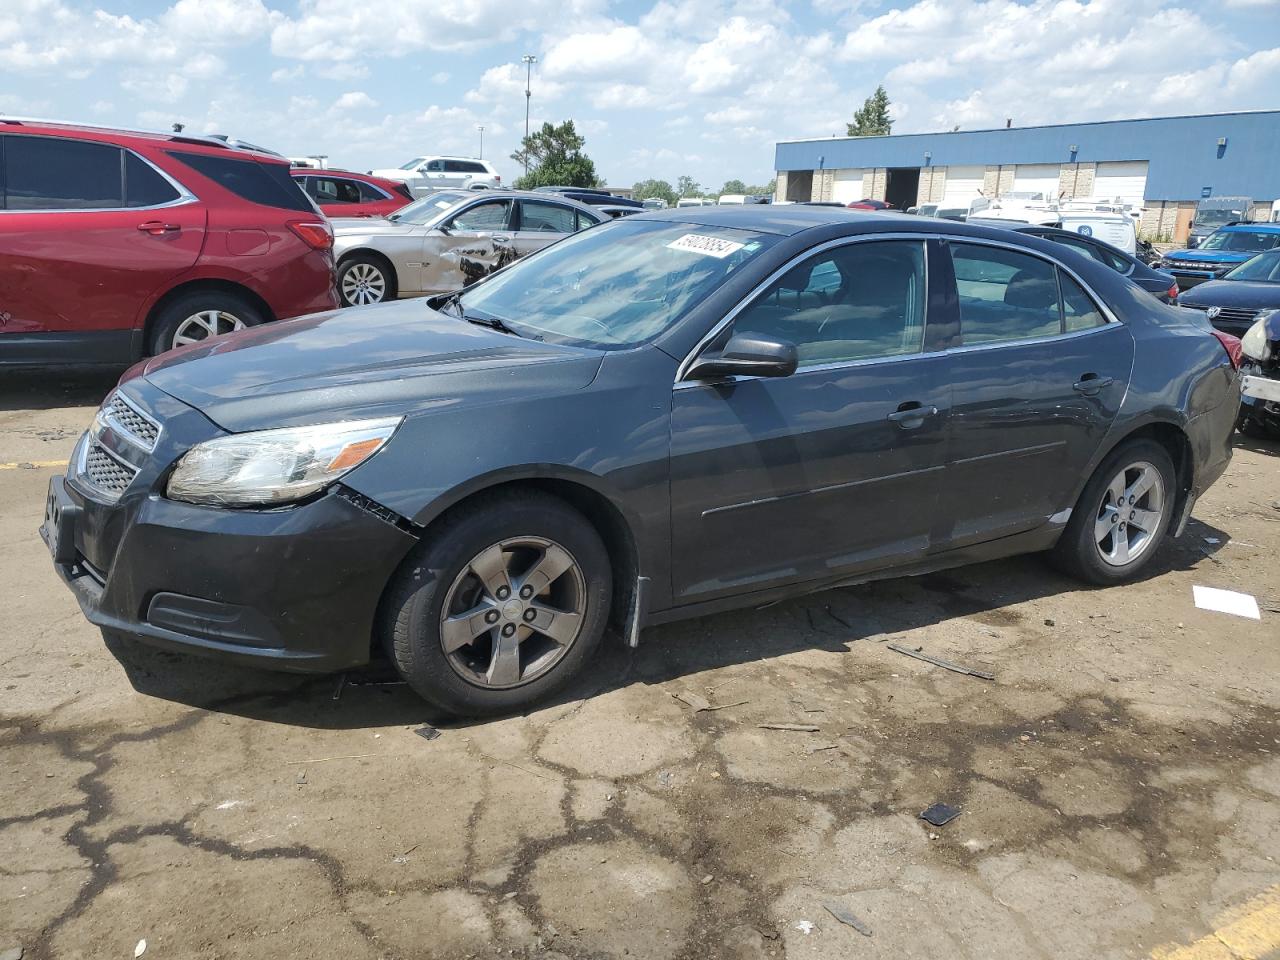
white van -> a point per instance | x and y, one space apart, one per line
1116 229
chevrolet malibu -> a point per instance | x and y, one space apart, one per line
669 415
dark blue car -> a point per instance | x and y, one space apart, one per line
1226 248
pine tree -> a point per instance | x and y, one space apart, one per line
873 119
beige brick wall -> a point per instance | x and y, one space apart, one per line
990 181
933 183
822 184
1076 179
1006 179
1161 218
780 188
879 183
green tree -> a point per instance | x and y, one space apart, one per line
873 119
764 190
688 187
654 188
555 158
733 186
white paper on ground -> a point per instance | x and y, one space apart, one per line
1226 601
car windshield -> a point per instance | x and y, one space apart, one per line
616 285
1264 268
1217 218
412 163
1245 241
430 207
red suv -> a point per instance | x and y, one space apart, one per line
340 193
116 243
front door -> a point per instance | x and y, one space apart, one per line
1037 379
832 470
468 247
87 233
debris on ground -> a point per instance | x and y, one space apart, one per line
940 814
404 857
1226 601
337 689
846 916
945 664
140 949
798 727
1050 622
818 746
707 879
666 779
726 706
301 778
355 756
698 703
427 732
805 926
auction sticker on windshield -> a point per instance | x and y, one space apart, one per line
707 246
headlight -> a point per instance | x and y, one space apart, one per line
1254 343
276 466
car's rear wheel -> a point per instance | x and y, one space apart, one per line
1122 515
499 607
364 279
201 315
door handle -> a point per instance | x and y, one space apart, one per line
1091 384
497 239
912 414
158 227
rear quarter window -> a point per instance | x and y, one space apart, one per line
268 184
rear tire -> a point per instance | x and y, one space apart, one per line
364 279
201 315
463 620
1121 517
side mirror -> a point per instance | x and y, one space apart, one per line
445 229
747 355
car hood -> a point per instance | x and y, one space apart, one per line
1209 256
1245 294
389 359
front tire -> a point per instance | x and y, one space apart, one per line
364 279
1122 516
201 315
501 606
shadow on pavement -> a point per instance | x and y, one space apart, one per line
830 620
52 388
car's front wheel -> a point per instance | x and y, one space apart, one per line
501 606
200 315
365 279
1122 515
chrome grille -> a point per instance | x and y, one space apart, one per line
1229 314
142 431
106 472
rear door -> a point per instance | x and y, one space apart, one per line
88 231
540 223
829 471
1036 381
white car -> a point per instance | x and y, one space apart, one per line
424 174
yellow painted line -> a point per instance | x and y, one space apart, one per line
1248 932
33 465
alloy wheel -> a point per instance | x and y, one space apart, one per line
1129 516
207 323
363 283
513 612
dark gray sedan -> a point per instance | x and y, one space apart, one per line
661 417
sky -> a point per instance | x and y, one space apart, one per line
659 89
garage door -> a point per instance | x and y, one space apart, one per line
1124 180
847 186
963 184
1036 178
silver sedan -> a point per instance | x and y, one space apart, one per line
448 240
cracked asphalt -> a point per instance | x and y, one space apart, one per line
1119 780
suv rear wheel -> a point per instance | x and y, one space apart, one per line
200 315
501 606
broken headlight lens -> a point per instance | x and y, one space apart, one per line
270 467
1254 343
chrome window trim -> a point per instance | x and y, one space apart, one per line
1098 302
184 197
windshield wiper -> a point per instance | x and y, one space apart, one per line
493 323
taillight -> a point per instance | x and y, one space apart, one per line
497 178
316 234
1172 292
403 190
1231 345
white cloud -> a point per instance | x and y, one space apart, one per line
285 74
355 100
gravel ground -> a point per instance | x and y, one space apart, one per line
1118 781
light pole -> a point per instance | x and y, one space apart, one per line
529 60
480 127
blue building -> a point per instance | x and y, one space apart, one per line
1163 164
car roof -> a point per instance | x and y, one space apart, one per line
518 194
1251 228
125 136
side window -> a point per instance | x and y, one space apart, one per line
269 184
855 302
331 190
454 166
143 186
47 173
583 220
470 166
1079 312
493 215
435 166
1095 252
538 217
1004 295
369 193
